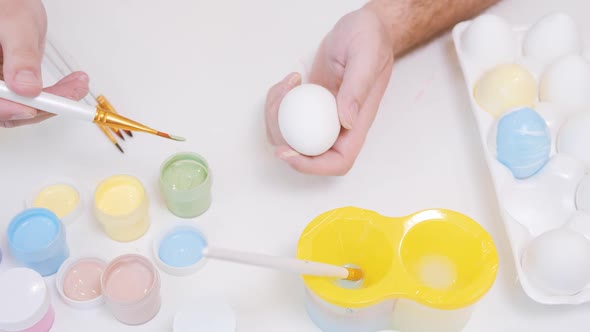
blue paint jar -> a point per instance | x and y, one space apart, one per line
37 240
178 250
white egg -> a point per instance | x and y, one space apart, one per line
552 36
574 137
580 222
554 117
490 41
566 83
308 119
583 194
557 261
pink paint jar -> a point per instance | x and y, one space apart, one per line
131 289
25 303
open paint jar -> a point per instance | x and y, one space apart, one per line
430 267
25 304
37 240
78 282
121 205
205 314
185 182
61 197
131 289
178 250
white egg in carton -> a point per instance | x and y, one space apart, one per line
529 88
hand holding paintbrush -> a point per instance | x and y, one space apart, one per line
66 107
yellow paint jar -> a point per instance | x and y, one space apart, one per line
430 267
60 196
121 206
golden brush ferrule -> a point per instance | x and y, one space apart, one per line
104 103
354 274
113 120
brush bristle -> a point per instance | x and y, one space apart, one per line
177 138
354 274
172 137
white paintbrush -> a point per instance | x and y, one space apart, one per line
66 107
302 267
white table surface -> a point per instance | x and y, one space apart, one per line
201 69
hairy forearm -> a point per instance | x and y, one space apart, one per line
413 22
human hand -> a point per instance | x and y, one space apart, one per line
23 25
354 62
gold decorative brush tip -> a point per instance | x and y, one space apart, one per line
354 274
172 137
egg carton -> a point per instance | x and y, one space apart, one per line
529 88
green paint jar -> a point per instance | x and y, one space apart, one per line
185 182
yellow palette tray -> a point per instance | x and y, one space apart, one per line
439 258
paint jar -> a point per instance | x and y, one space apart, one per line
421 272
25 304
185 183
78 282
178 250
410 316
60 196
37 240
333 318
205 314
131 289
121 206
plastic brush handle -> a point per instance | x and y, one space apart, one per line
293 265
51 103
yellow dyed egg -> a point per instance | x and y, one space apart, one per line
504 88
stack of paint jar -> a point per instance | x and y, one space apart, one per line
129 285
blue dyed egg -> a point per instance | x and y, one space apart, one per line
523 142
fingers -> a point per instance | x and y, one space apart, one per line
271 109
330 163
326 70
22 34
73 86
364 65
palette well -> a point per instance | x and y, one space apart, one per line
440 260
528 87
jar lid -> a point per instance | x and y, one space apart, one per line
178 249
78 282
61 196
24 301
205 314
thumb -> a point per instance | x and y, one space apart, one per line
22 55
359 76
